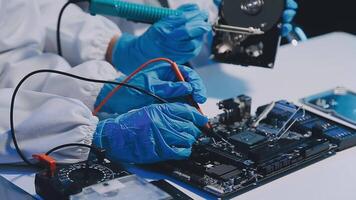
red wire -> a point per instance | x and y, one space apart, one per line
106 99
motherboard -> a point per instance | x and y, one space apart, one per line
243 151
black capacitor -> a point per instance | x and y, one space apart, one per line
235 109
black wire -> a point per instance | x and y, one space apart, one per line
95 150
58 37
12 127
59 47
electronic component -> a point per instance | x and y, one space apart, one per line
127 187
248 32
96 178
338 102
235 109
171 190
246 140
344 137
220 170
240 154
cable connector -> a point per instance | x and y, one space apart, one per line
49 162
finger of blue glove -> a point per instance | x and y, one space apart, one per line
186 112
169 89
300 33
189 128
189 7
182 47
178 28
288 15
182 152
181 57
193 28
176 138
196 15
185 128
162 81
172 142
291 4
190 12
196 28
166 152
199 90
286 29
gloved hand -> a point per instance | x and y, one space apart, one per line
158 79
178 38
151 134
288 15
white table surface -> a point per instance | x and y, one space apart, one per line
317 65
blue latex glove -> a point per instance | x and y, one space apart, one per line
178 38
151 134
158 79
288 15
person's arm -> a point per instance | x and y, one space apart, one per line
15 69
44 121
83 36
21 53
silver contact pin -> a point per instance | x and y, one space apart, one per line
236 29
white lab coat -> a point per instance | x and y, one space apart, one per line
50 110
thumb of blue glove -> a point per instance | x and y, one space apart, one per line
151 134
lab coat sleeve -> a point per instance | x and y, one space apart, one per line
20 25
43 121
85 91
18 64
83 36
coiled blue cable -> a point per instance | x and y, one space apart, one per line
131 11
